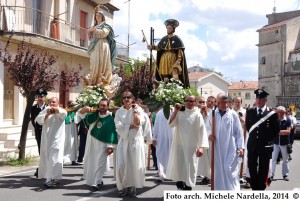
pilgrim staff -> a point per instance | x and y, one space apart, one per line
213 151
242 164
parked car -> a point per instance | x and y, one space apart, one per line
297 129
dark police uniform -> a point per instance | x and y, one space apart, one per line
35 110
260 143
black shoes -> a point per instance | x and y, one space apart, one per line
52 183
77 163
123 192
247 185
182 186
131 191
205 181
36 174
269 181
187 188
97 187
285 178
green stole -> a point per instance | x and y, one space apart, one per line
70 118
104 128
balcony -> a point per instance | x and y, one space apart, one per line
286 101
47 31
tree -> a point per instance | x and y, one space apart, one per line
136 78
31 70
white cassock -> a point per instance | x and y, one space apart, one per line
204 161
71 143
52 144
130 159
189 134
96 160
228 138
242 112
163 134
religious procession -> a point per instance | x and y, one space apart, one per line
188 137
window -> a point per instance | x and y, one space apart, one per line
247 96
83 27
263 60
67 7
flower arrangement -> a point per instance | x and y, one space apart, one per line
166 94
91 96
169 93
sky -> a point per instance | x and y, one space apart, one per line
217 34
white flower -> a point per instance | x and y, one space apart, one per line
90 97
169 93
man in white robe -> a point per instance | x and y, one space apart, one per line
133 126
204 161
71 136
189 141
52 144
237 106
101 137
228 143
162 140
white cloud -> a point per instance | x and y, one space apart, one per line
229 57
214 45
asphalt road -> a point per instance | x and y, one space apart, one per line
19 184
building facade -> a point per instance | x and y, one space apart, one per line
279 58
56 26
245 90
208 83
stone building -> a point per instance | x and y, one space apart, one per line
279 58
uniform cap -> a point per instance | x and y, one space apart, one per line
260 93
41 92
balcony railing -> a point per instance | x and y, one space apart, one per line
30 20
286 101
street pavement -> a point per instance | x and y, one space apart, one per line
18 183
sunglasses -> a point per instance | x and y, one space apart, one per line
201 101
190 101
126 97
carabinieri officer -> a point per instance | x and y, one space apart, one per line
263 127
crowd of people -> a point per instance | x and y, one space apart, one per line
246 143
214 138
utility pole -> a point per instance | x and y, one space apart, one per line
128 39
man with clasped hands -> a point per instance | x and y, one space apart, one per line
263 127
188 144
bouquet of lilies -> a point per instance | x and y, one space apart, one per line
91 96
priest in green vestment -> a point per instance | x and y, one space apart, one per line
102 135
